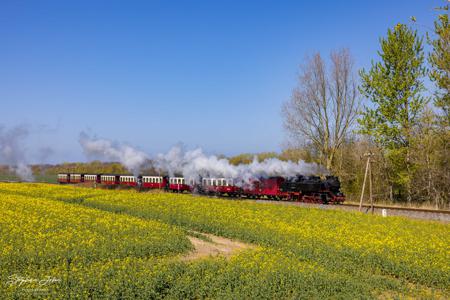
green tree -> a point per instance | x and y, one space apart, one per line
394 86
440 63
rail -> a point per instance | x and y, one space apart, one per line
427 210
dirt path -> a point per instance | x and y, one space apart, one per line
212 245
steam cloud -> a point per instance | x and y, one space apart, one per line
12 151
194 164
130 157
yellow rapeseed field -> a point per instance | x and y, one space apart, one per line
123 244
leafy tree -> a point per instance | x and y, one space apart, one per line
394 86
440 63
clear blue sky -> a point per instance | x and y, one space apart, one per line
206 73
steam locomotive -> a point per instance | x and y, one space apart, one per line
312 189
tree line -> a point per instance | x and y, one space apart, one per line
336 116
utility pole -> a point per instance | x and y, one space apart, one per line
368 170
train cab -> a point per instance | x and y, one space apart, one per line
110 179
154 182
178 184
91 178
63 178
219 186
76 178
128 180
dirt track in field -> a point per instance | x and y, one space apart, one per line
213 246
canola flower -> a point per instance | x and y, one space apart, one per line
40 234
412 249
303 253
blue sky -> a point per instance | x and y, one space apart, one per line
212 74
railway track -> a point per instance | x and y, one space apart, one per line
385 210
422 213
400 208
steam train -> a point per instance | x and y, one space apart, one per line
301 188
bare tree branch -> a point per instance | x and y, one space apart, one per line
324 105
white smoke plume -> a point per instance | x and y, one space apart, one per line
194 164
12 151
96 148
